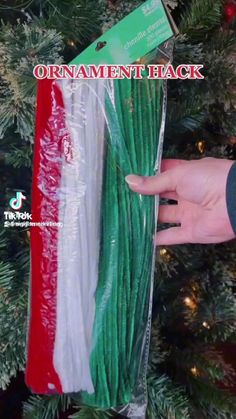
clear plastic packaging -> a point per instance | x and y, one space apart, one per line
92 270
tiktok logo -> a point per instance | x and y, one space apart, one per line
17 202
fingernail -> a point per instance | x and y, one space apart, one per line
133 180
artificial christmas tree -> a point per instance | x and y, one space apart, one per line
194 316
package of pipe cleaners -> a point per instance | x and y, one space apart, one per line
92 252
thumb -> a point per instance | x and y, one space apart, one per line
152 185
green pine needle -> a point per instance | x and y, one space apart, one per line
22 47
19 157
86 412
201 17
77 20
209 397
166 400
45 407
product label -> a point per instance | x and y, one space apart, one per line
133 37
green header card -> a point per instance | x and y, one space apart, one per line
133 37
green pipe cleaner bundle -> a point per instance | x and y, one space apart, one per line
118 359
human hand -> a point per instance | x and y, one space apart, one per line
199 187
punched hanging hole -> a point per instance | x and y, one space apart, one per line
100 45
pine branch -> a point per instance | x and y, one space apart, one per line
183 116
222 121
185 51
13 314
3 242
223 266
216 308
22 259
213 362
200 102
200 18
45 407
211 398
21 48
208 361
6 275
13 308
86 412
19 157
158 352
212 413
166 400
221 42
77 20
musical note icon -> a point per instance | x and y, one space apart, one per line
17 201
